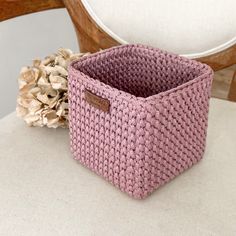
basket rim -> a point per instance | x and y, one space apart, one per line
207 73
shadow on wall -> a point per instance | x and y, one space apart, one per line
25 38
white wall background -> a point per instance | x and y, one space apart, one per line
27 37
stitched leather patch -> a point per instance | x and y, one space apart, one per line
97 101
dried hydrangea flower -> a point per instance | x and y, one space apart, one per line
43 98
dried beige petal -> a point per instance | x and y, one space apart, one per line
62 109
61 62
26 88
56 70
36 62
78 56
35 90
60 112
21 111
43 98
53 101
61 70
21 83
32 119
66 53
34 106
52 119
58 82
51 115
43 82
51 92
42 72
23 101
64 105
50 70
28 74
48 60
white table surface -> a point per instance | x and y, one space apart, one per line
43 191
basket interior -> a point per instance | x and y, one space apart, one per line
140 72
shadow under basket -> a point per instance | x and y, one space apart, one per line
138 115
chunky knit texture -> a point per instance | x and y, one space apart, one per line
156 124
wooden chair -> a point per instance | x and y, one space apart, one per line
92 37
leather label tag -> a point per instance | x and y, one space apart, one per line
97 101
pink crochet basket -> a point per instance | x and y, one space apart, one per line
138 115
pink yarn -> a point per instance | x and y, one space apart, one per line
156 124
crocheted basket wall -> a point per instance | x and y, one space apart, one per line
138 115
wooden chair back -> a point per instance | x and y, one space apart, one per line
92 38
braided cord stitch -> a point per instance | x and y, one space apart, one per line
157 120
